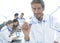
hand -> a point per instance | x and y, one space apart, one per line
26 30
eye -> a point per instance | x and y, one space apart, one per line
34 8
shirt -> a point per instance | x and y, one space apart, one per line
21 20
4 35
40 31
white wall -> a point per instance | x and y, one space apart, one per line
9 7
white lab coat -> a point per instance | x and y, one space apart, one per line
21 21
4 35
40 31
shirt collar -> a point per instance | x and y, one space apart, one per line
9 29
37 21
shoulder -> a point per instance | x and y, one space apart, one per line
1 25
32 20
4 28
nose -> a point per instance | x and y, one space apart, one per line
36 11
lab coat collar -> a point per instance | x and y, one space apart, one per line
37 21
9 29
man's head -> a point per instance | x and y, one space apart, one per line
16 15
22 14
15 23
38 8
9 23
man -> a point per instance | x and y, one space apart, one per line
21 19
38 29
22 15
5 33
16 16
15 23
17 31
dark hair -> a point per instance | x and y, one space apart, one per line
22 13
16 14
38 1
15 20
9 22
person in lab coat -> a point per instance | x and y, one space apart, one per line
5 33
21 19
16 16
38 29
17 31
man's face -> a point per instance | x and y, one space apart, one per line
21 15
37 10
11 25
15 23
16 17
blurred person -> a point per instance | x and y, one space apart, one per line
21 19
16 16
15 23
17 31
22 15
5 33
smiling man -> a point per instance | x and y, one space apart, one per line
38 29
